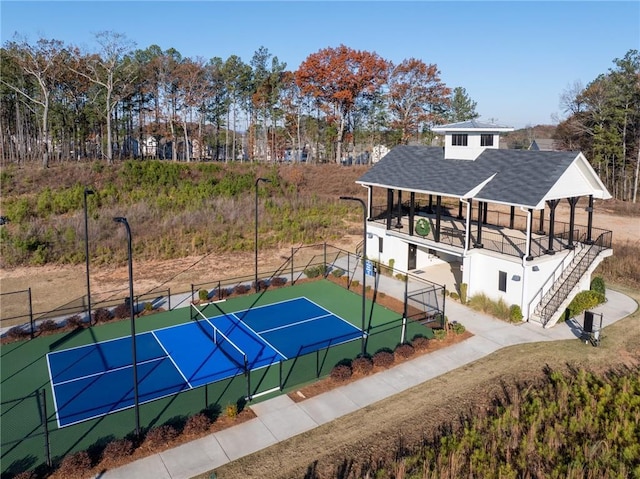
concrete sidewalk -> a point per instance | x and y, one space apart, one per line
280 418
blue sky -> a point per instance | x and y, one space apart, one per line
514 58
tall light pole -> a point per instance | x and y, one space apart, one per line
87 192
266 180
120 219
364 256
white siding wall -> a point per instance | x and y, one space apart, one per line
481 273
473 148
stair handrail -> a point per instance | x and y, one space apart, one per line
553 277
592 253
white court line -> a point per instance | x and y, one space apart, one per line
171 359
258 336
284 326
333 314
79 378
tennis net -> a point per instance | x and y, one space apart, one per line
228 347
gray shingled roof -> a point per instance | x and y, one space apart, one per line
521 177
479 125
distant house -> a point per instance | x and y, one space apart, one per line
479 211
543 144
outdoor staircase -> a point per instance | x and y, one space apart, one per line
554 302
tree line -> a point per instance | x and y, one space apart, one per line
61 103
603 121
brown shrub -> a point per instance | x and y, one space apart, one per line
47 325
420 343
26 475
383 359
404 351
197 424
18 332
75 321
278 281
75 465
362 365
341 373
102 315
117 450
241 289
122 311
160 436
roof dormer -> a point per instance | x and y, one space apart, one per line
466 140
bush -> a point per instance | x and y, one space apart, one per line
463 292
315 271
102 315
203 295
337 273
18 332
278 282
241 289
597 285
262 285
148 307
47 325
404 351
454 295
75 321
355 283
439 333
362 365
122 311
383 358
420 343
515 313
341 372
401 277
75 465
197 424
118 449
584 300
160 436
231 411
457 327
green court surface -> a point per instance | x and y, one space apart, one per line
25 377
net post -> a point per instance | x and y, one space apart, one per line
45 426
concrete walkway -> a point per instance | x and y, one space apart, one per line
280 418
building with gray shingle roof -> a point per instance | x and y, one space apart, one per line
428 202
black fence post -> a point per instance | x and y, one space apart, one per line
293 281
192 292
31 325
169 298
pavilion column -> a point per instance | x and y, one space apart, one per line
512 217
529 238
479 238
436 234
389 207
430 204
590 220
541 225
399 211
484 214
412 211
459 209
572 217
552 215
370 202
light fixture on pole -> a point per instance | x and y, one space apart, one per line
364 258
266 180
120 219
87 192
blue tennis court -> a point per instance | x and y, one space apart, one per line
97 379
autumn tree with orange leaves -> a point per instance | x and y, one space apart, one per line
337 77
416 96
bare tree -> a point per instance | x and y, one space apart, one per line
109 70
43 62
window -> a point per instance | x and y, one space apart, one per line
502 281
459 139
486 140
